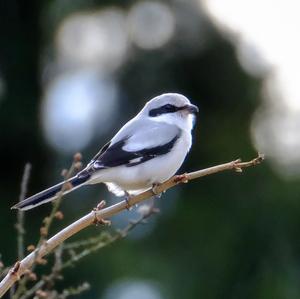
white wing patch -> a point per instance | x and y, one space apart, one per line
136 160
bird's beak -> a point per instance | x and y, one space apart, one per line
193 109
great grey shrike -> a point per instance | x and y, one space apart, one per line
147 150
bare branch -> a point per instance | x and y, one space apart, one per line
20 225
90 246
47 222
20 216
97 215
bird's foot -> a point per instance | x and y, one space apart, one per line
99 220
154 190
127 199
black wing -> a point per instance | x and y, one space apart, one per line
102 150
115 155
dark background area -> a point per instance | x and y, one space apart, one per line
225 236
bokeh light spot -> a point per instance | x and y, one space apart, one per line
129 289
75 106
151 24
265 33
94 39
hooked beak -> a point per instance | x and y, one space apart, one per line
193 109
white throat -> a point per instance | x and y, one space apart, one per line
184 122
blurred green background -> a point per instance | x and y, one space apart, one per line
72 72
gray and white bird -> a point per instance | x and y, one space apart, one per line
147 150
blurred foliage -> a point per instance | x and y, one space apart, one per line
230 236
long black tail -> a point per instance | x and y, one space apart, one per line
50 193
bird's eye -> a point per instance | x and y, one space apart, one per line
169 107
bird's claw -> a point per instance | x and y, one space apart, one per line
154 190
97 219
100 205
127 200
100 221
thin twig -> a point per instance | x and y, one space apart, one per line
20 225
96 244
45 229
20 216
86 242
98 215
74 291
33 290
56 204
108 239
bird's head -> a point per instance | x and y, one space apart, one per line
171 108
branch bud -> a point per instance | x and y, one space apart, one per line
59 215
30 248
43 231
77 157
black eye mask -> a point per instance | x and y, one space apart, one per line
168 108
